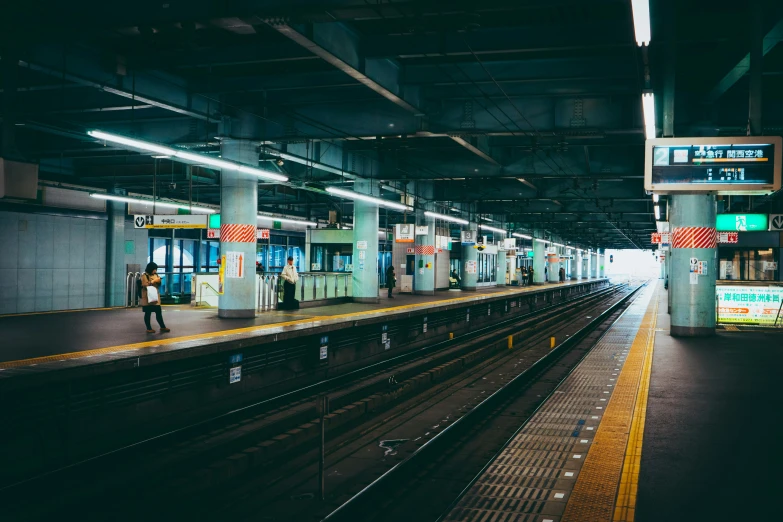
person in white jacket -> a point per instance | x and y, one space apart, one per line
289 277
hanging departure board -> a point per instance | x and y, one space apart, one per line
736 165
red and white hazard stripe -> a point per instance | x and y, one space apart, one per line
694 237
232 233
425 250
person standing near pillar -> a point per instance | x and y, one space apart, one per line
290 277
391 280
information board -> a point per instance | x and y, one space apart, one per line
749 304
733 165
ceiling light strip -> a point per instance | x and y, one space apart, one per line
444 217
349 194
185 156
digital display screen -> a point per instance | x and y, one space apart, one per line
740 164
714 164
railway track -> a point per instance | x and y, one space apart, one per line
168 470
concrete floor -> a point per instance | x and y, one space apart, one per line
714 420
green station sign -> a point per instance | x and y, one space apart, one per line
214 221
741 222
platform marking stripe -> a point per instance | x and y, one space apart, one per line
596 489
223 333
625 506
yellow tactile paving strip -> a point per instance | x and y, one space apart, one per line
312 321
616 450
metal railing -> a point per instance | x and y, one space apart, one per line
268 290
131 296
314 286
310 287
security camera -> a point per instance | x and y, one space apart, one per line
173 186
279 162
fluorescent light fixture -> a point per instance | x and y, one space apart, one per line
657 212
487 219
164 204
523 236
287 220
349 194
493 229
206 160
648 106
190 157
134 144
455 209
262 173
444 217
541 240
381 232
641 21
656 197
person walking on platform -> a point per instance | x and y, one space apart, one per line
522 277
150 297
391 280
530 276
561 273
289 277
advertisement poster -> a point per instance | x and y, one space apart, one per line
222 275
749 304
422 230
234 263
404 233
470 267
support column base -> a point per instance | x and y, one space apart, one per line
237 314
692 331
370 300
424 292
468 288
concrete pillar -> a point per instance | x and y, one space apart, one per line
553 261
693 298
424 279
573 265
663 265
115 254
539 262
470 255
593 265
602 264
576 271
365 259
238 223
501 271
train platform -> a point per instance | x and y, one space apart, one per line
648 427
43 341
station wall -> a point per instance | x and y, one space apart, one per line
57 262
51 262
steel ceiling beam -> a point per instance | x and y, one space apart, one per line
340 47
88 67
771 39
